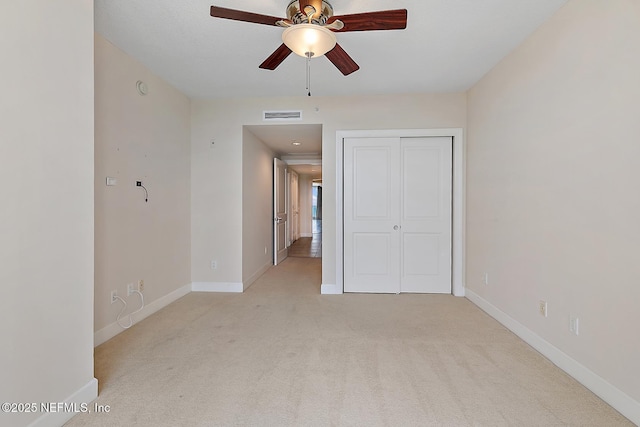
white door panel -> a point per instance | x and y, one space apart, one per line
280 216
426 215
373 183
420 181
371 211
422 264
371 254
375 261
420 254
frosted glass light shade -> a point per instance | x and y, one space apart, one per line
303 38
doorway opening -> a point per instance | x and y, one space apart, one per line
316 207
311 246
298 150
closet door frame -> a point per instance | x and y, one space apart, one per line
458 214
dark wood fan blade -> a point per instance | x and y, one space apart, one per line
342 60
239 15
276 58
383 20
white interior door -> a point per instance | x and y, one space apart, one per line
371 215
280 247
425 234
397 215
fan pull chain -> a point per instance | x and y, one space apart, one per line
309 73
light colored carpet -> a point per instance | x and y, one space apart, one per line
282 355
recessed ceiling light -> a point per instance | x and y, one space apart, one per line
296 143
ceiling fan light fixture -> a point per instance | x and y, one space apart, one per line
309 40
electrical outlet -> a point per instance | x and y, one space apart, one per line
542 308
114 295
130 288
138 183
265 250
574 325
141 285
486 278
214 265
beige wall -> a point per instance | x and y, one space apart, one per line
257 207
139 138
46 204
552 186
217 178
552 201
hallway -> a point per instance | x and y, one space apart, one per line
309 247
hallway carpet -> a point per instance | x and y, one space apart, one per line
281 354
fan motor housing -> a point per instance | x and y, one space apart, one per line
319 17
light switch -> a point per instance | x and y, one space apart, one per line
111 181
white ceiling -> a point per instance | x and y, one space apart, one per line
280 138
304 158
447 47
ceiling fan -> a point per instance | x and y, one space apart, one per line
309 30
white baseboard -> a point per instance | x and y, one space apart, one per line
306 234
257 275
330 289
85 395
110 331
606 391
217 287
114 329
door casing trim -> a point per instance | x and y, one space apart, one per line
458 198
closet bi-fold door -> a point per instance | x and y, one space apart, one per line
397 215
425 237
371 215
